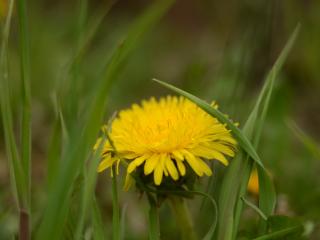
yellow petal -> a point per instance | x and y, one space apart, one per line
97 144
136 162
158 173
178 155
222 148
181 167
131 167
191 159
205 168
151 163
171 168
105 163
128 182
220 157
205 152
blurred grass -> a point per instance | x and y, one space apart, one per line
203 52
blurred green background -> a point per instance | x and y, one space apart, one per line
217 50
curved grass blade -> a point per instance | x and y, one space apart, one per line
243 141
280 234
253 129
255 208
229 203
306 140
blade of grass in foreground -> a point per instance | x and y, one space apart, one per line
230 204
26 97
279 234
82 139
17 174
56 141
238 134
228 198
252 129
25 213
19 177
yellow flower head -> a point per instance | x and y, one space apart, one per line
166 138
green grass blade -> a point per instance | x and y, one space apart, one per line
87 37
279 234
17 174
20 170
253 129
239 169
306 140
97 223
255 208
90 178
243 141
213 226
26 97
83 137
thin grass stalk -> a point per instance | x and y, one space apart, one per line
19 176
6 114
76 80
308 142
26 96
25 212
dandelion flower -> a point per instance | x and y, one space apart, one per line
165 138
253 184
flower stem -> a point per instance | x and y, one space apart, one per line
183 218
